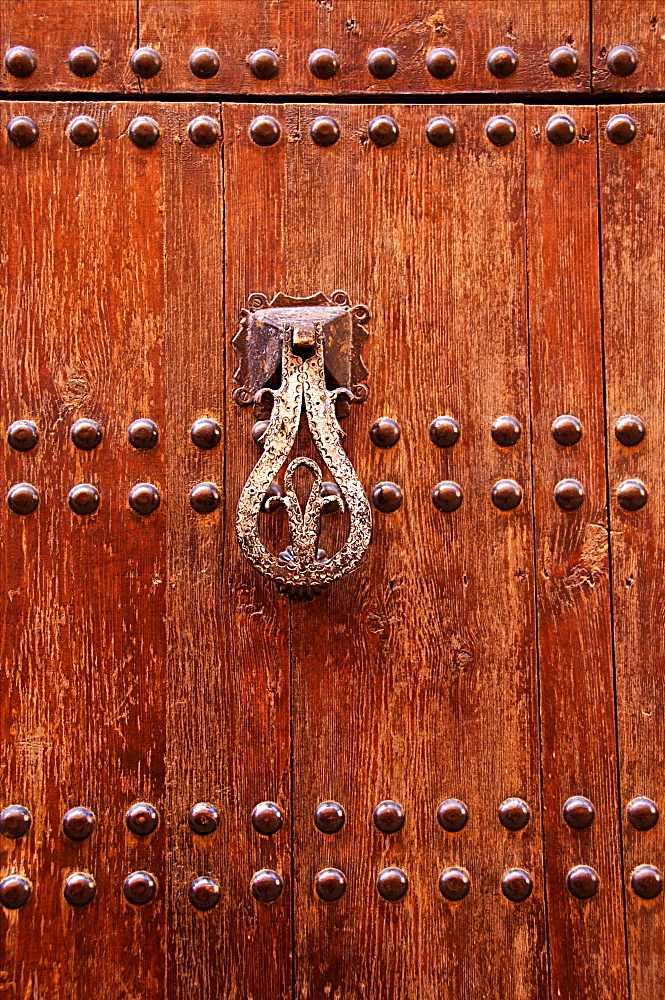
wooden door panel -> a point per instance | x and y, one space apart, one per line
628 46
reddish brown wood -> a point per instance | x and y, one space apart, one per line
638 25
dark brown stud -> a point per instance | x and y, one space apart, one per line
324 131
203 818
330 491
266 886
621 129
143 434
444 431
384 432
146 62
265 130
632 494
267 818
258 430
330 884
205 433
139 888
79 889
264 64
383 130
500 130
329 817
141 819
447 496
382 63
566 430
144 131
622 60
516 885
84 499
388 816
323 64
502 62
506 494
578 812
203 131
83 131
387 497
582 882
560 130
514 814
642 813
454 884
506 431
204 893
22 131
569 494
204 63
14 822
563 61
205 498
23 499
452 815
274 490
646 882
86 434
22 435
440 131
20 61
83 61
78 823
629 430
144 498
441 63
392 884
15 892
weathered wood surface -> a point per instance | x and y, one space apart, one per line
638 25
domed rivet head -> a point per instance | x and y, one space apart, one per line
560 130
15 892
79 889
144 498
392 884
452 815
274 490
441 63
265 130
143 434
440 131
563 61
258 430
203 131
330 884
86 434
569 494
141 819
387 497
23 499
382 63
388 816
447 496
621 129
20 61
506 431
383 130
84 499
506 494
632 494
22 131
642 813
329 817
205 498
204 63
22 435
204 893
629 430
566 430
83 61
514 814
502 62
324 131
622 60
203 818
14 822
78 823
454 884
323 64
582 882
144 131
500 130
264 64
145 62
516 885
267 818
266 886
205 433
444 432
139 888
83 131
578 812
329 491
384 432
646 882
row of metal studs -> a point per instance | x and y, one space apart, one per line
87 434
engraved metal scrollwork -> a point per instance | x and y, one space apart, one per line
303 355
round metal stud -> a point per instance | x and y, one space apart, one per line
516 885
205 433
22 131
274 490
15 891
205 498
440 131
84 499
441 63
83 131
141 819
20 61
204 63
329 817
383 130
143 434
78 823
266 886
204 893
145 62
629 430
563 61
264 64
579 812
382 63
83 61
139 888
392 884
388 816
444 432
267 818
452 815
23 499
323 64
324 131
642 813
330 490
582 882
447 496
86 434
454 884
203 131
144 131
502 62
330 884
144 498
203 818
632 494
622 60
387 497
514 814
569 494
501 130
265 130
621 129
506 431
14 822
258 430
566 430
384 432
560 130
22 435
79 889
506 494
646 882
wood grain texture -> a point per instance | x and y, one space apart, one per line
640 25
633 259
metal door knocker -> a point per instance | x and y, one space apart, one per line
302 354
